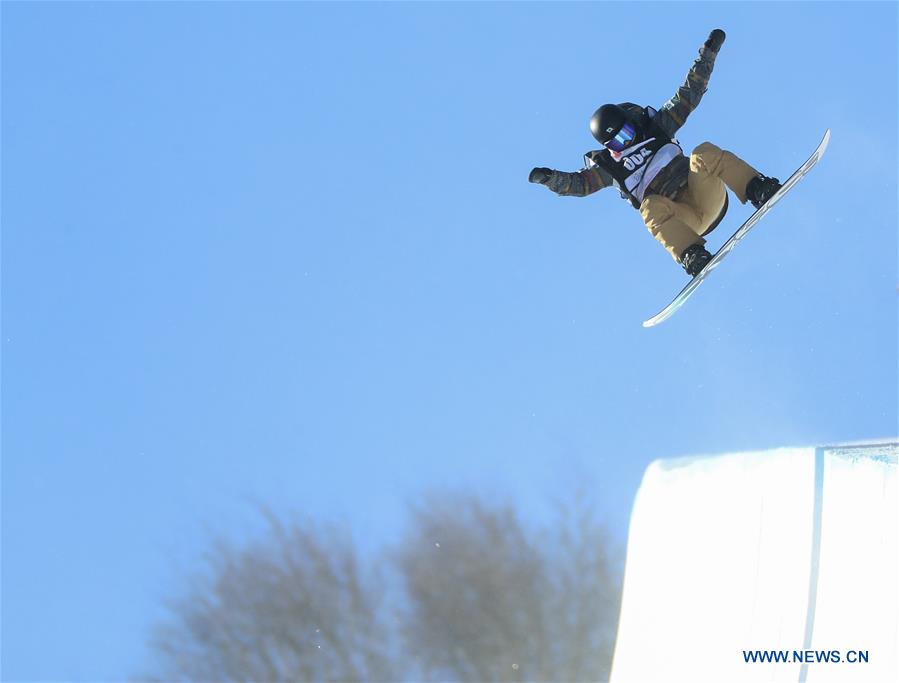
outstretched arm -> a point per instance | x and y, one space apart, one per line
675 111
579 184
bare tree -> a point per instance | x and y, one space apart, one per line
473 594
490 600
295 606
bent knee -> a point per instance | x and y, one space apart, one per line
705 157
656 210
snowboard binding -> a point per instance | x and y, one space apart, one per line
760 189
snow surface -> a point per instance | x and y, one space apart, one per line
792 549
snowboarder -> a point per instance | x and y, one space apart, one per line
680 199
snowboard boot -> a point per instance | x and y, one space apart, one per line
760 189
694 259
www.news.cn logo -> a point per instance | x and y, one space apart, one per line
805 657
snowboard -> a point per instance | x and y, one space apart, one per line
741 232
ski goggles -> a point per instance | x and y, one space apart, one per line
622 139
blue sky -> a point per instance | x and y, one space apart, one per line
287 253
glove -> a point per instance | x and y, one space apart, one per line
540 175
715 40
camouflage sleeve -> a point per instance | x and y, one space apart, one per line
579 184
675 111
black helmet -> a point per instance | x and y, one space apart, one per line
606 121
609 119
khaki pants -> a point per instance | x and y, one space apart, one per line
678 225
